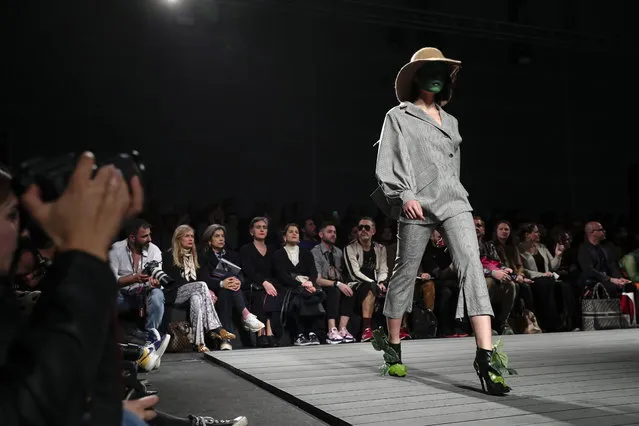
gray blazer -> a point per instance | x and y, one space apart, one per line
417 159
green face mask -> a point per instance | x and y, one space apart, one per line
432 77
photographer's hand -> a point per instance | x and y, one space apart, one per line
89 213
153 282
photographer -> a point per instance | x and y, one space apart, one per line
64 364
139 291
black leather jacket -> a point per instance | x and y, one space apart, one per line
63 366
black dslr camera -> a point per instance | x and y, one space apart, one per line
154 270
52 176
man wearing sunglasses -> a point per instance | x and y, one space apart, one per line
366 264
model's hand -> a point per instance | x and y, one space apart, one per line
413 210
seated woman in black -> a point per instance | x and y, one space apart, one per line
295 269
181 264
554 299
226 285
264 292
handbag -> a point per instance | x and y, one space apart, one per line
181 334
423 322
601 313
526 323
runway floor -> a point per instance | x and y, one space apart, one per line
578 378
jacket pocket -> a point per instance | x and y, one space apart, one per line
425 178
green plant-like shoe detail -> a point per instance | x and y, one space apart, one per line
391 364
499 361
398 370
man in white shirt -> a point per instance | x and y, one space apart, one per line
128 259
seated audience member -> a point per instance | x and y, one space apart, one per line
554 300
340 299
226 287
295 269
264 292
597 266
503 249
630 265
366 264
309 234
439 268
137 290
181 264
501 281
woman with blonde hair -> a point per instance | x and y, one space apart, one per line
181 264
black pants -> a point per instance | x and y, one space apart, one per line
304 324
546 307
338 304
524 299
502 298
446 294
226 301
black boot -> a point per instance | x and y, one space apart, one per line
492 382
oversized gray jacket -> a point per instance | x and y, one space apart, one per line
419 160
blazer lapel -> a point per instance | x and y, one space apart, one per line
420 114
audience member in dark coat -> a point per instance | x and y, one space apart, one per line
263 292
295 269
224 281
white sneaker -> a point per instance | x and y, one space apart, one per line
203 421
226 345
251 323
149 359
333 337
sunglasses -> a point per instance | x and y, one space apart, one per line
360 227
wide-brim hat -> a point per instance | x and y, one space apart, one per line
405 77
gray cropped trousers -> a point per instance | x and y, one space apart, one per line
461 239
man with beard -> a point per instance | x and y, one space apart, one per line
339 296
128 259
366 262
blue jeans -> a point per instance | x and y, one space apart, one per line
130 419
129 300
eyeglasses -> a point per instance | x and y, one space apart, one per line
599 230
264 227
360 227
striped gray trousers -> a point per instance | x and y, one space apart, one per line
461 239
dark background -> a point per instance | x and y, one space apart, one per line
282 101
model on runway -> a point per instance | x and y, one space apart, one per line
418 167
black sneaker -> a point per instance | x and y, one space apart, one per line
273 342
262 341
313 339
301 341
203 421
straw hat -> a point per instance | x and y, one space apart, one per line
404 81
